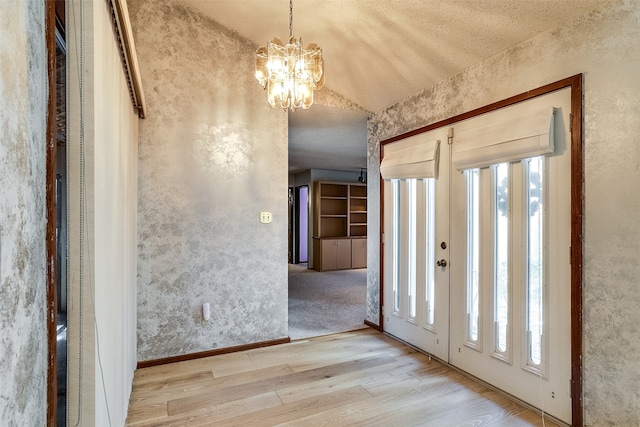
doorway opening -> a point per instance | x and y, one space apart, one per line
327 144
323 301
301 224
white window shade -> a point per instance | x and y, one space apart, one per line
512 138
413 157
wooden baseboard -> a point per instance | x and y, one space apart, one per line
208 353
372 325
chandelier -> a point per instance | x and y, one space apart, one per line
290 73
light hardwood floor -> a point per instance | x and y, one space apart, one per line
354 378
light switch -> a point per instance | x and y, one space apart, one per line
265 217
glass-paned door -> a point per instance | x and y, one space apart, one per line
476 265
510 288
416 236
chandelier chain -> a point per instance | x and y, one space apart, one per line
290 18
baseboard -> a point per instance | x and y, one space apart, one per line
372 325
209 353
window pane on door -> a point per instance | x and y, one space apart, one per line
473 253
501 267
395 243
535 259
429 219
411 246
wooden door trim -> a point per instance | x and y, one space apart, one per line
52 357
577 212
381 317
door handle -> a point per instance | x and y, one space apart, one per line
441 263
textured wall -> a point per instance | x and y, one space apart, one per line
212 155
23 112
604 46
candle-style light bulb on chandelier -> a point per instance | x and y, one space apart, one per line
290 73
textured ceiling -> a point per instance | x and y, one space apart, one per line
327 138
378 52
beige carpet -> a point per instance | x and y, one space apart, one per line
322 303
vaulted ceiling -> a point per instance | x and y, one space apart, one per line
378 52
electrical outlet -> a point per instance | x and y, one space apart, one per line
265 217
206 311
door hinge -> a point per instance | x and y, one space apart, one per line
570 389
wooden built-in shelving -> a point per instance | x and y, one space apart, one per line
340 214
357 210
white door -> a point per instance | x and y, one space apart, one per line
416 240
505 289
510 289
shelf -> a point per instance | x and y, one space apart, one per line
357 205
356 190
358 218
340 209
358 230
339 225
333 226
333 190
333 206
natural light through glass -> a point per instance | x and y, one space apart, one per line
411 249
535 267
430 249
501 285
395 195
473 252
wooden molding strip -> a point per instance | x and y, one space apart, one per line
373 325
577 239
50 242
124 36
209 353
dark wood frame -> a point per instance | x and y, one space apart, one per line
577 211
52 357
54 18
